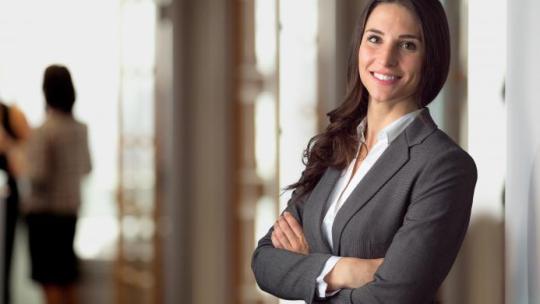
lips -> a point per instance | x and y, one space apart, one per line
385 77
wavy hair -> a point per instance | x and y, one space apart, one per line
337 145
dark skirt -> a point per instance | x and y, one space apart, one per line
50 237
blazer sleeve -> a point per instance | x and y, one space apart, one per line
286 274
426 245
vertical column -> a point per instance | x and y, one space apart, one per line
522 199
203 150
167 257
487 141
255 134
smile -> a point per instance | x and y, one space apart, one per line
384 77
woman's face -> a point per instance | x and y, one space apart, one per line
391 54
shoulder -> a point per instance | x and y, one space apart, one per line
18 122
81 125
76 123
65 123
438 150
81 128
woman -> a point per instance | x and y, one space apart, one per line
14 131
58 159
383 205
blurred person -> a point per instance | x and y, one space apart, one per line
58 159
14 131
382 207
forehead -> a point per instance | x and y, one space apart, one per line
394 19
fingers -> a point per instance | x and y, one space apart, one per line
292 238
281 236
289 235
293 224
275 241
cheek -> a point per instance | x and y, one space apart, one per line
414 67
414 64
363 60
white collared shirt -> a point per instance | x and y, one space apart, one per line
347 182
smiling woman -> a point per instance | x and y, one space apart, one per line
384 202
390 56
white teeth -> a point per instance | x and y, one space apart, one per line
384 77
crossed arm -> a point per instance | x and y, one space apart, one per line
284 266
349 272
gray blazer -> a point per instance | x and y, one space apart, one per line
412 209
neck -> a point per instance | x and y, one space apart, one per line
381 114
52 111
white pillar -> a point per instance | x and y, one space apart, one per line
483 250
522 206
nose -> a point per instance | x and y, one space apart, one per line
388 55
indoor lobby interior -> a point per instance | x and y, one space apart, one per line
198 114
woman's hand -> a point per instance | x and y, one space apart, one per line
352 273
289 235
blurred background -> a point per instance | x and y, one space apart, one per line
198 113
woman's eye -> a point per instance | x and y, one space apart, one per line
373 39
408 45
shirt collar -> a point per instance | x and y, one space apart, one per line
390 132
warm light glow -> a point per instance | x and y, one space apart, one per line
96 237
265 135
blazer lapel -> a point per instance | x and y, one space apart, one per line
395 156
318 201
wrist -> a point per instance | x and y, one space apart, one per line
339 276
352 272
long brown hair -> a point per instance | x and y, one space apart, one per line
337 145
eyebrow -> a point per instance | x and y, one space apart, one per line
409 36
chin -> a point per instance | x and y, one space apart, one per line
382 100
382 97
